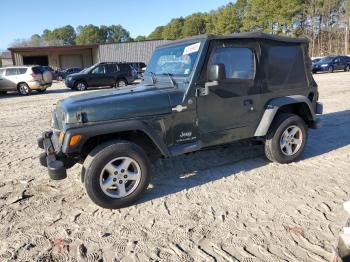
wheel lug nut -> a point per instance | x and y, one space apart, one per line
125 176
122 170
114 179
116 172
120 181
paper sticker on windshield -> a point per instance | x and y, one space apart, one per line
191 49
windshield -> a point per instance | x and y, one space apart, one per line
173 60
327 59
87 70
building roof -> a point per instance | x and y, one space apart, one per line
5 55
246 35
52 48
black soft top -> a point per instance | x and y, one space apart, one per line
247 35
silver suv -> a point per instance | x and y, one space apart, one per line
24 79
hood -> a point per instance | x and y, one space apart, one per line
76 74
115 104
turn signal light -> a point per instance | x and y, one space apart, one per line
74 140
61 137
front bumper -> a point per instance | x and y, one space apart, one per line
320 69
318 111
49 159
69 83
35 85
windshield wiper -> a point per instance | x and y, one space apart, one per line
172 80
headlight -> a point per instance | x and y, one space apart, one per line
69 78
324 65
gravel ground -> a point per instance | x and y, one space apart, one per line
220 205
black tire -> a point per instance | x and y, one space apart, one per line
347 68
80 86
330 69
96 161
24 89
283 122
121 83
3 92
41 91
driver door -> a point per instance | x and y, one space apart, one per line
231 108
100 77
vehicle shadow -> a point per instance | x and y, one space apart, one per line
188 171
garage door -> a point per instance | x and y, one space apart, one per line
68 61
36 60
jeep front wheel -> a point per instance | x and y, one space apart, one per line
286 139
117 173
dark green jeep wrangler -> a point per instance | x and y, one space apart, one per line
196 93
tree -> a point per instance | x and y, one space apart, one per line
140 38
65 35
88 34
157 33
225 21
195 24
173 30
119 34
36 40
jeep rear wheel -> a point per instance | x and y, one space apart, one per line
286 139
116 174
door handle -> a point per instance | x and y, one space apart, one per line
249 103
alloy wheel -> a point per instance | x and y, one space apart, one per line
291 140
120 177
23 89
81 86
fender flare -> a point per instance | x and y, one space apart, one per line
274 105
88 132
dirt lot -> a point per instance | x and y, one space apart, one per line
228 204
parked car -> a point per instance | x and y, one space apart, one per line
24 79
197 93
331 64
61 75
101 74
315 60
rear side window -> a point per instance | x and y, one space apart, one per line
22 70
285 67
239 62
11 71
37 70
111 68
124 67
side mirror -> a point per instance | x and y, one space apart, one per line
216 73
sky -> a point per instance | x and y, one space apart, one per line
21 18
